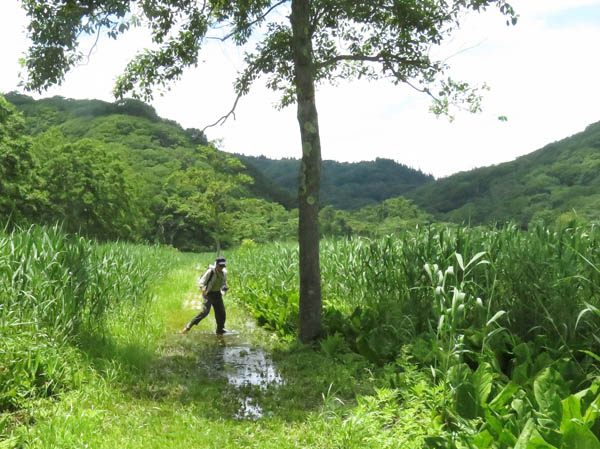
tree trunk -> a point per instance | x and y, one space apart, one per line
217 233
310 173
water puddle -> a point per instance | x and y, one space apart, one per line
243 366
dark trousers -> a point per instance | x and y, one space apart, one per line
212 299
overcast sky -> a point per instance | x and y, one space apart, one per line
543 73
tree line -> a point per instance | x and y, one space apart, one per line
344 185
119 174
557 184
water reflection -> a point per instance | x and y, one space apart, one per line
243 366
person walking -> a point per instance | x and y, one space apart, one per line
213 284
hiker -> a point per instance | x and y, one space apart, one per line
213 284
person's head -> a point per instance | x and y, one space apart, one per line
220 263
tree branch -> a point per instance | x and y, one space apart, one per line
224 118
338 58
254 22
381 58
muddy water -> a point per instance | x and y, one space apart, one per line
243 366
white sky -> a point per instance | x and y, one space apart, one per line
543 75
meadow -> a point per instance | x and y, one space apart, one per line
438 337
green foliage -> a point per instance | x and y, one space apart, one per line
348 186
542 186
209 197
147 180
45 113
19 195
320 42
118 171
89 187
35 363
490 313
59 290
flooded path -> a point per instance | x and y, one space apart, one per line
232 357
244 367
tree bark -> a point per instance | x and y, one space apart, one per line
310 173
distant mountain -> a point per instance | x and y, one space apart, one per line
558 182
345 185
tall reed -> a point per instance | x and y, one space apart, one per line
378 291
59 291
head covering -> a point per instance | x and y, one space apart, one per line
220 261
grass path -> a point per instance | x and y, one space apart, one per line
182 396
193 391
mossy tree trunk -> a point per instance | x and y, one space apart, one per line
310 173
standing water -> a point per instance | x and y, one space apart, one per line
243 366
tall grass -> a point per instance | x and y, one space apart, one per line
504 320
62 291
541 278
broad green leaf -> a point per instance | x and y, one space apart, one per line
530 438
362 344
592 412
571 410
526 434
518 405
458 374
548 388
466 400
494 423
579 436
507 438
520 373
483 440
522 353
538 442
542 361
505 395
483 379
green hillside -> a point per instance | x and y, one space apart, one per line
344 185
147 178
118 171
560 182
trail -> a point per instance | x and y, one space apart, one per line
198 390
233 357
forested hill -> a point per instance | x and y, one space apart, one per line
119 171
560 182
345 185
132 123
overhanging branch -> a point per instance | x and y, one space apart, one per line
224 118
381 58
249 25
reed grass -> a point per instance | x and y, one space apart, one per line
65 299
539 280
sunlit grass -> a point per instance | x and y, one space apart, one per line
145 387
404 316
